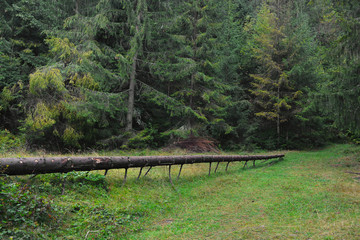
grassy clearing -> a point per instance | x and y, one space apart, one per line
308 195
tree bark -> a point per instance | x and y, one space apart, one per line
130 112
42 165
278 115
76 7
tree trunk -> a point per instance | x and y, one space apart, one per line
130 112
42 165
278 115
192 79
76 7
131 103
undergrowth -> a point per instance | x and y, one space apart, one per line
24 214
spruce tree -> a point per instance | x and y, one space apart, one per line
274 93
341 89
71 93
187 62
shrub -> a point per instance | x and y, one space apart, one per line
9 141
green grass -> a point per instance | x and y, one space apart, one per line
308 195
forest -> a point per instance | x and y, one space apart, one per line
247 74
122 85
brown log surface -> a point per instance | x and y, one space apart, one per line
42 165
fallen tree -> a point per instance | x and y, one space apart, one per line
42 165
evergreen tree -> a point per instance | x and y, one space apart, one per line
340 91
187 65
137 15
275 96
69 103
233 64
22 49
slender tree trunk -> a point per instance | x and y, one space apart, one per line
190 122
278 116
130 112
192 80
131 103
76 6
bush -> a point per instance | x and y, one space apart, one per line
9 141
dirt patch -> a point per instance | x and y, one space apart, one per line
197 144
355 173
166 222
346 165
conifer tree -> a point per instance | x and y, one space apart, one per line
137 15
187 65
274 94
340 90
70 91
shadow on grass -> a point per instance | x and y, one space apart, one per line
198 172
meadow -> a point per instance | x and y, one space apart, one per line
307 195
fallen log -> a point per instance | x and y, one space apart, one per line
42 165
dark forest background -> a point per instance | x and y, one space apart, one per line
85 74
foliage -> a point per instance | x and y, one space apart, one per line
85 177
148 137
9 141
5 98
340 91
109 222
23 213
85 74
275 96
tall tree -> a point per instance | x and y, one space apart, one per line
71 102
137 14
341 90
274 93
187 61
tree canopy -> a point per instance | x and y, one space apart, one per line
143 73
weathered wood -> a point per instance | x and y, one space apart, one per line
148 171
172 184
209 168
125 176
245 164
41 165
180 171
140 173
216 167
227 165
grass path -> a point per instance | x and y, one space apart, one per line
306 196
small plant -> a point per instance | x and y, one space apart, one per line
103 223
354 137
22 211
85 177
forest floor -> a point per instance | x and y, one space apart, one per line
308 195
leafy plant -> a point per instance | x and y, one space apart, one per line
22 211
